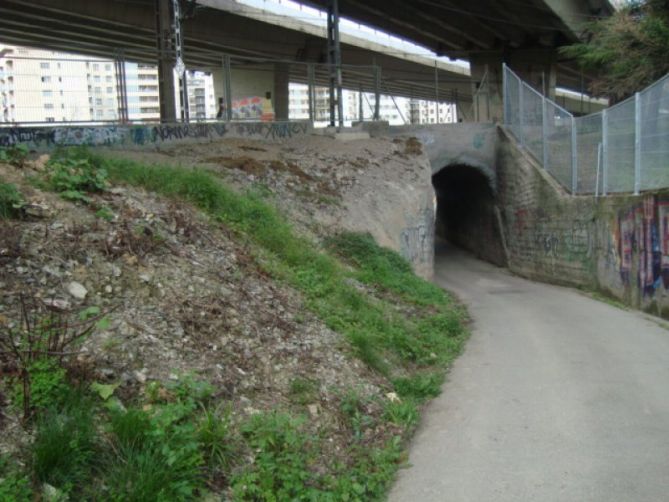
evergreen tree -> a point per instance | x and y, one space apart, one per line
627 51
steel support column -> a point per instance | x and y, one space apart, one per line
311 79
227 76
170 59
334 63
121 87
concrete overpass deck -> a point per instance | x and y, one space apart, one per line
213 27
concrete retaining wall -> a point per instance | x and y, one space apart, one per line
141 136
463 143
616 244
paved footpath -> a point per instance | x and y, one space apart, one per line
557 397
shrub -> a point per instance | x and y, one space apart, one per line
73 176
11 201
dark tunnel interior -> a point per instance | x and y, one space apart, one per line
466 215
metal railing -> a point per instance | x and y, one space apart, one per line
624 148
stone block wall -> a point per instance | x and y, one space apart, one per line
618 245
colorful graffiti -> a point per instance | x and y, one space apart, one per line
643 244
252 108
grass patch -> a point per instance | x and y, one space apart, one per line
384 268
64 448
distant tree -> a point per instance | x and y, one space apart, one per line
627 51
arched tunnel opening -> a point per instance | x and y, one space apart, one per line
466 215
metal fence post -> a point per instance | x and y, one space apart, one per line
520 113
436 88
599 165
574 158
228 87
505 93
311 91
605 152
544 131
377 93
637 143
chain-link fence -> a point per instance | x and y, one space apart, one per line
624 148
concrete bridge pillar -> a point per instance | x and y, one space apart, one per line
535 66
281 97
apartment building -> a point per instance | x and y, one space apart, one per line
395 110
46 86
37 86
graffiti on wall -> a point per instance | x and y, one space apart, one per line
44 137
30 135
416 241
571 241
643 244
273 130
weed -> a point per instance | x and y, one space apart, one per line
73 176
64 448
14 484
421 386
354 411
105 213
280 469
37 349
16 155
303 390
217 438
156 456
11 201
403 413
48 385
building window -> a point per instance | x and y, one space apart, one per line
108 67
96 67
108 78
50 119
98 102
48 106
46 80
96 79
44 66
47 94
110 90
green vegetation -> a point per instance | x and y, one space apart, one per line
15 155
627 51
176 441
11 201
73 176
303 390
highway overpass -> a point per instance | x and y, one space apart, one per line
525 36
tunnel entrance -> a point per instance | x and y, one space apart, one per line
466 214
